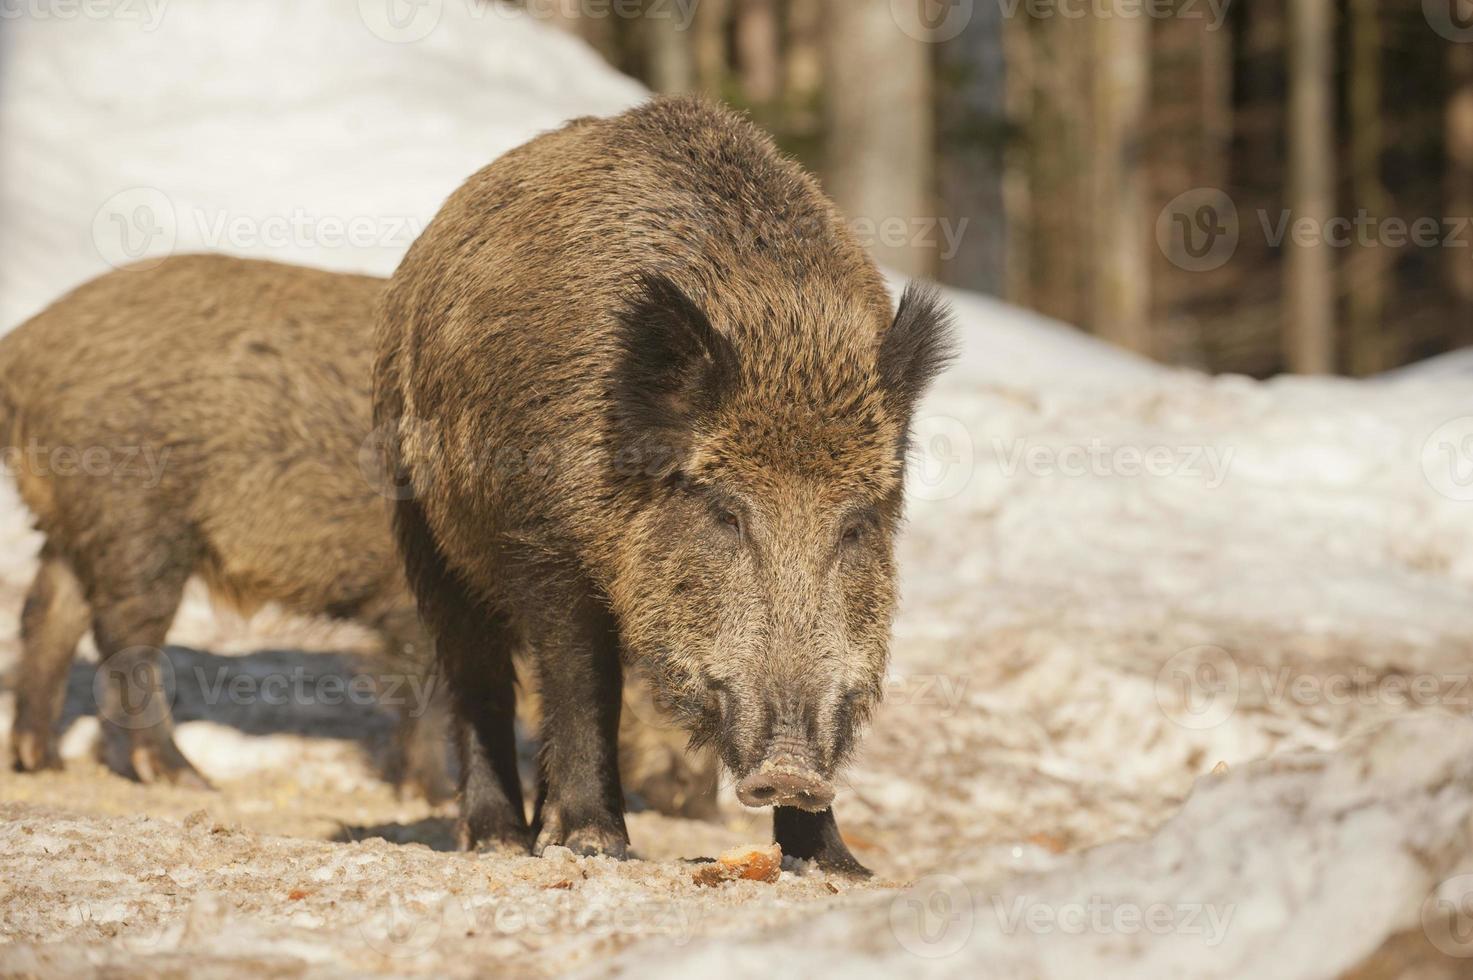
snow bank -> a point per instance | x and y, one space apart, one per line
1303 865
312 133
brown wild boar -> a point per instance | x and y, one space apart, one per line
652 404
227 404
224 404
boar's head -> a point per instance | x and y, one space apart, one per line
755 579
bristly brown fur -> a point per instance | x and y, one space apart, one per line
668 410
201 416
214 414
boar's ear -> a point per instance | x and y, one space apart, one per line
916 348
673 366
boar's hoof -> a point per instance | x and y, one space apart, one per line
485 834
815 837
496 846
585 841
595 842
162 762
34 751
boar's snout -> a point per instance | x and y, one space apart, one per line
785 782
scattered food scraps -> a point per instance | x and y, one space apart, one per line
750 862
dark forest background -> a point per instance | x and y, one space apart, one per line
1249 186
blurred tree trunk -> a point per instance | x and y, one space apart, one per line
1122 228
1260 113
597 31
1216 138
1310 295
880 131
1188 138
1056 128
709 27
671 52
1365 271
1017 185
1459 142
804 62
972 101
759 50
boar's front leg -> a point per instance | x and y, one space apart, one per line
130 622
580 804
474 646
814 837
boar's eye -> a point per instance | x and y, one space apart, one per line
729 519
857 528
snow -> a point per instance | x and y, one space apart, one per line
1117 577
276 129
1242 882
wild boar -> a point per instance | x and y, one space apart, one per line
226 406
205 416
649 400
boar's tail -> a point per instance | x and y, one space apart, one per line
10 434
8 421
9 413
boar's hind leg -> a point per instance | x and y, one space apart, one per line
473 647
580 804
476 653
422 741
814 837
53 621
130 625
